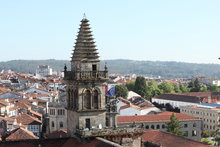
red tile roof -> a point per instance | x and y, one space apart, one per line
153 118
26 119
94 143
35 113
179 97
35 95
3 102
3 90
134 106
7 119
58 134
58 142
21 133
169 140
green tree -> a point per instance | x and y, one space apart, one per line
152 89
217 134
174 126
140 86
213 88
166 87
130 85
203 88
176 88
183 88
206 133
195 86
121 90
207 141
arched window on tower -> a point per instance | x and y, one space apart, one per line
87 99
75 99
95 99
69 97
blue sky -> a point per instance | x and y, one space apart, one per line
164 30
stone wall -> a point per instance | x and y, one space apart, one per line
190 128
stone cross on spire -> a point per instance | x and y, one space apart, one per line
84 15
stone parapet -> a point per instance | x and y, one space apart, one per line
85 75
107 132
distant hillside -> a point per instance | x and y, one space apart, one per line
148 68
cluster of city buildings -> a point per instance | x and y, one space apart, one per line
25 103
75 110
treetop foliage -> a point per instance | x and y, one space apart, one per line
174 125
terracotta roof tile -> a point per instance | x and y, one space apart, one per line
7 119
21 133
153 118
58 134
169 140
3 102
35 113
134 106
179 97
26 119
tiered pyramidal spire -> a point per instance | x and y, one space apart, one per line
85 48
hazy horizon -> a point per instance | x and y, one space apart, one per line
110 59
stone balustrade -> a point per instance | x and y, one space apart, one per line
85 75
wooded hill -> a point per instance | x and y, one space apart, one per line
164 69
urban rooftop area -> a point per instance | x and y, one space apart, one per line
110 74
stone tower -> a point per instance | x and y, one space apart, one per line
85 85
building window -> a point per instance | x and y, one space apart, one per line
194 133
152 126
147 126
61 112
52 111
52 124
158 126
194 125
185 125
163 126
185 133
58 111
210 127
61 124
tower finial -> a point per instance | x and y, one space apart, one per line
84 15
65 68
106 68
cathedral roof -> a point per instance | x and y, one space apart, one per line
85 48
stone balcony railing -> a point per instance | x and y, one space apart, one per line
109 132
85 75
